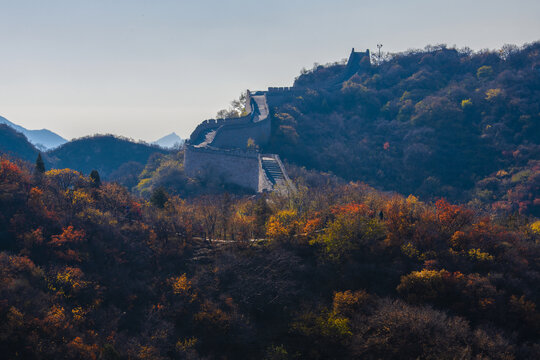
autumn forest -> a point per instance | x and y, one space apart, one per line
90 271
412 233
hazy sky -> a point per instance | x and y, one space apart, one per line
143 69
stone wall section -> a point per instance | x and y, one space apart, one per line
236 167
212 124
236 136
219 148
258 112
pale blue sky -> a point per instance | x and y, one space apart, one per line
143 68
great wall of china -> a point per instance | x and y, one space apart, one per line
228 148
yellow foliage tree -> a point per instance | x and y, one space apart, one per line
66 178
282 226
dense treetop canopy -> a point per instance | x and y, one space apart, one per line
433 122
332 271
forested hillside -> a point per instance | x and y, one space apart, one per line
437 122
87 271
114 157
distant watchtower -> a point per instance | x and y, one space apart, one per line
358 60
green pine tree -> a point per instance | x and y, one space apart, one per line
159 197
40 165
96 180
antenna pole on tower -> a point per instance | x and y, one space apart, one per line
379 46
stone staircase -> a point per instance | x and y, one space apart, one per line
273 171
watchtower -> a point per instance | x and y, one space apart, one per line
358 60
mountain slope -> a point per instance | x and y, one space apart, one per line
43 138
15 144
430 122
105 153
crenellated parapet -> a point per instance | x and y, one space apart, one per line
286 90
280 89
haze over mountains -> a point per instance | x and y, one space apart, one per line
114 157
169 141
43 139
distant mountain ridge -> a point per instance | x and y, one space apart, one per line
43 139
169 141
